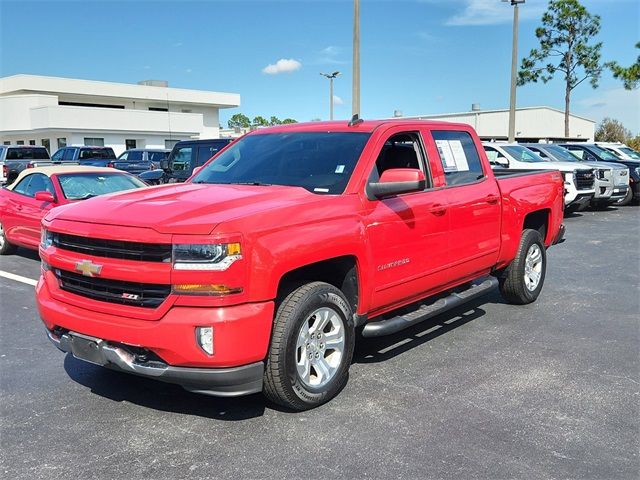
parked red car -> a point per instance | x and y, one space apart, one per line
25 202
255 273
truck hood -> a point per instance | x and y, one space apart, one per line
182 208
562 166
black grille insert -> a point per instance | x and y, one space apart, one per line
584 180
146 295
145 252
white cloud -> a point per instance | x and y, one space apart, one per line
283 65
492 12
331 50
613 103
337 100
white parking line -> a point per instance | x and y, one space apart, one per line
18 278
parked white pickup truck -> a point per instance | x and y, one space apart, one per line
579 180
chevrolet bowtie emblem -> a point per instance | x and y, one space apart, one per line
88 268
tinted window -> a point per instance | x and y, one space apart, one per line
57 156
604 154
562 154
68 153
135 156
459 157
181 159
78 186
522 154
321 162
27 154
205 152
632 153
31 184
87 153
157 156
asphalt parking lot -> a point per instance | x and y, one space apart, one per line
549 390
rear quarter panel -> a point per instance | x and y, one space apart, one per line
522 195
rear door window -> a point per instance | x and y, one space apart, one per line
459 157
68 153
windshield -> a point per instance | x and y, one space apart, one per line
78 186
562 154
630 152
27 154
522 154
604 154
321 162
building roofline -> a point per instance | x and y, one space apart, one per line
61 85
498 110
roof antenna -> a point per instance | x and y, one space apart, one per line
355 120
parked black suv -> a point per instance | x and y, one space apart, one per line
184 157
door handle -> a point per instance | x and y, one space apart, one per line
491 199
439 210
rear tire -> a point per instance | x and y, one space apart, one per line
6 248
522 280
311 347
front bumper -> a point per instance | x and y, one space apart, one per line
225 382
581 200
619 192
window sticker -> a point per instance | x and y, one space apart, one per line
340 169
321 190
446 155
453 156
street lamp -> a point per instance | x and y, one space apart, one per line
514 67
330 76
355 93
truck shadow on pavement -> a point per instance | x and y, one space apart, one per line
124 387
374 350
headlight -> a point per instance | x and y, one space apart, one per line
46 238
569 178
205 256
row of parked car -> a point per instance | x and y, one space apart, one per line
150 164
596 174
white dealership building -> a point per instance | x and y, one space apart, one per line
54 112
533 124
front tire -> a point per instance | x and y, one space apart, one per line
627 199
311 347
522 280
6 248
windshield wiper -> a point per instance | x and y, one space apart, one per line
89 195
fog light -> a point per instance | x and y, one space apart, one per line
204 336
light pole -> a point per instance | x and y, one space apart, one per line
355 94
330 76
514 66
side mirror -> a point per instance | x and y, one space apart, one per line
45 197
196 170
396 181
164 164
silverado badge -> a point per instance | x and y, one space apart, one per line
88 268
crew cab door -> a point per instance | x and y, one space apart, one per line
407 233
473 200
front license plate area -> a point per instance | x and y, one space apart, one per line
87 349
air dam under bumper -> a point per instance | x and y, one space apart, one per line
223 382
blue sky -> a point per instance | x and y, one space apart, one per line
417 56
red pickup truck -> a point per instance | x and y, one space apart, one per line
256 274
